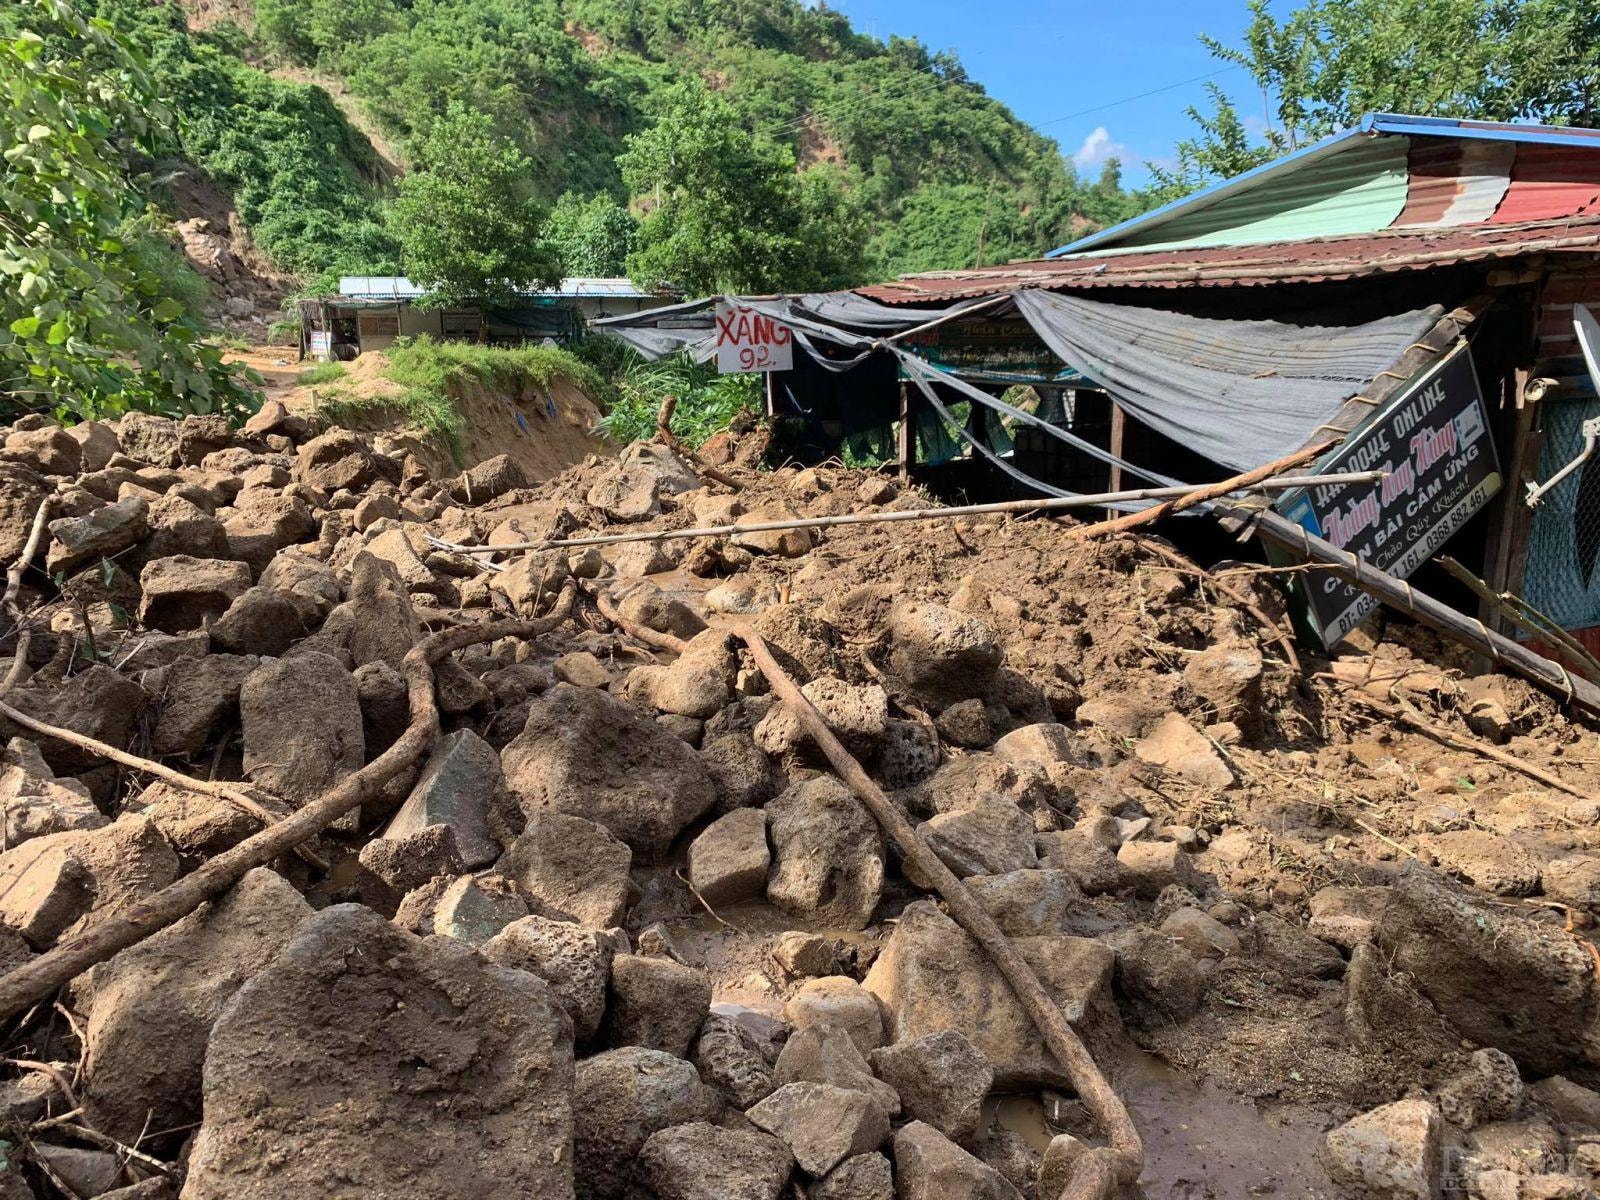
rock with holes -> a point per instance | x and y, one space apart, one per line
574 961
656 1003
827 854
701 1161
1390 1153
621 1098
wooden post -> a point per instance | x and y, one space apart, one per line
768 393
907 437
1507 528
1118 422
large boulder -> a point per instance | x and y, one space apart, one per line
377 622
301 718
931 976
620 1099
337 1061
1502 980
337 459
151 1008
583 752
827 854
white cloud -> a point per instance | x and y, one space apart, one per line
1098 147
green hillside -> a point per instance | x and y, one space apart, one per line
894 145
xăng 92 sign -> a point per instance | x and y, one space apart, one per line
749 341
1432 440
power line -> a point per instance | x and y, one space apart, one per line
1130 99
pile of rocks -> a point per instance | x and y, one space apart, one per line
495 978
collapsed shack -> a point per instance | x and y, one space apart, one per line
352 848
1407 287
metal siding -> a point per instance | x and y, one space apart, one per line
1548 182
1358 190
1454 181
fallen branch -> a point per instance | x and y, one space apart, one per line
653 638
227 792
19 659
1285 642
1200 495
670 440
1098 1172
106 937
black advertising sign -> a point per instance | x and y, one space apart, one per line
1433 441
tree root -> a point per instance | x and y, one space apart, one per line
1099 1172
106 937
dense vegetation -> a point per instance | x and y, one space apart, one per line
95 306
1322 66
785 112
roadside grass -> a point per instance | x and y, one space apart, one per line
328 372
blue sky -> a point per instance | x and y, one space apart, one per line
1054 61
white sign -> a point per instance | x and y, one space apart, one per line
748 341
321 343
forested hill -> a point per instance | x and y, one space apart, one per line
892 158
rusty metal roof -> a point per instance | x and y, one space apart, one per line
1305 261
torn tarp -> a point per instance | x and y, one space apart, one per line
1241 393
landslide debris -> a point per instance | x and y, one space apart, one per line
621 933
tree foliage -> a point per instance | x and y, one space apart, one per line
89 324
727 212
469 228
590 235
1322 66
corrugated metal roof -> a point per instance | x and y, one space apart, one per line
1305 261
1360 189
1457 171
398 287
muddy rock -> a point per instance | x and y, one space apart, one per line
108 531
824 1053
58 885
274 417
179 526
21 493
674 477
1160 980
700 682
840 1001
857 715
822 1125
149 438
656 1003
827 854
731 1059
931 976
700 1161
1574 1105
582 751
1288 949
86 1172
1486 860
1390 1153
929 1166
301 718
1149 867
1574 879
742 775
573 869
1201 934
497 1049
408 862
941 655
941 1078
182 593
261 621
458 787
1029 903
1227 679
1490 1089
490 479
1182 749
49 451
864 1177
782 543
910 754
97 702
574 961
154 1004
474 908
966 724
199 699
1044 743
620 1099
729 861
97 442
313 587
801 955
1502 980
36 803
1095 869
377 622
992 837
1346 916
626 494
337 459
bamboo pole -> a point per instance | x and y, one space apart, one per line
1098 1172
1042 504
105 937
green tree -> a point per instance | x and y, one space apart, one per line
469 228
727 211
1324 65
85 329
591 235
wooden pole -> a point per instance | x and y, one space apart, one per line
1041 504
1097 1172
1119 420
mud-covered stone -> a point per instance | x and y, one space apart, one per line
182 592
457 788
825 1053
313 1072
822 1125
827 854
620 1099
35 802
929 1166
301 718
151 1008
1390 1153
103 533
841 1001
941 1078
583 752
572 869
942 655
574 961
199 699
728 862
701 1161
656 1003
